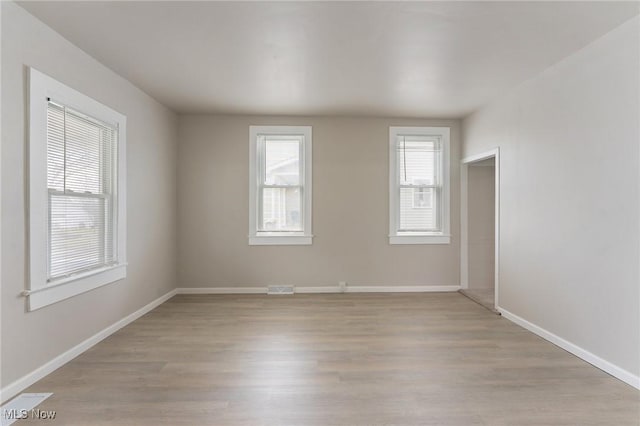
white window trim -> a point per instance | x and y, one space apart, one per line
443 237
39 293
279 238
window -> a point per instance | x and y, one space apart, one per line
76 200
419 185
422 198
280 185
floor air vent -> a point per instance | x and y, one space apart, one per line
280 289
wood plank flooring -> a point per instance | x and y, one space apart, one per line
483 296
339 359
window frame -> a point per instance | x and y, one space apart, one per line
442 236
40 292
256 173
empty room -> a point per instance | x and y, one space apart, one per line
320 213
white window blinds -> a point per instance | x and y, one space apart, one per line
419 183
281 187
81 169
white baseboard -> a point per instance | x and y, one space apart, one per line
221 290
404 289
323 289
24 382
312 290
592 359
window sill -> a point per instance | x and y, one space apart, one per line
280 240
420 239
72 286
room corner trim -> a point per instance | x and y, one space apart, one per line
27 380
596 361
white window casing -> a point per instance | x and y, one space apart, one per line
419 185
77 192
280 190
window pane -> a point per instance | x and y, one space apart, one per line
281 209
420 217
79 152
87 153
80 159
79 234
416 161
282 161
422 198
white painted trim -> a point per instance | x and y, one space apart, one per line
322 289
474 158
464 227
24 382
307 185
45 296
40 292
419 239
1 197
496 226
280 240
403 289
221 290
596 361
441 238
317 290
464 219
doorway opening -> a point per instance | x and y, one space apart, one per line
480 215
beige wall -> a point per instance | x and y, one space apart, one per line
350 209
569 214
29 339
481 222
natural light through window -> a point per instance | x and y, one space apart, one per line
419 185
77 186
80 172
280 191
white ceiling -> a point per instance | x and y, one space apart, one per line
413 59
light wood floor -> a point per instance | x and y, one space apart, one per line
483 296
343 359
